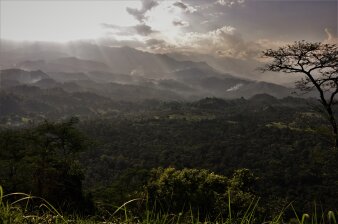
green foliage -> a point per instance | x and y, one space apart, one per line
292 163
199 191
241 189
17 213
43 161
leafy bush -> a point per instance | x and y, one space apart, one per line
199 191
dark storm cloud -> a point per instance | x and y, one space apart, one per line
139 14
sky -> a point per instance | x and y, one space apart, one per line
221 28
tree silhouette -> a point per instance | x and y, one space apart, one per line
318 62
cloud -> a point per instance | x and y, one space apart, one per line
159 46
230 3
331 39
211 42
110 26
113 42
139 14
265 43
181 23
152 42
143 30
225 41
272 44
185 7
140 29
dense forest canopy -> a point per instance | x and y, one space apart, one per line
282 142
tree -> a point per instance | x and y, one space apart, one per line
44 161
318 62
57 173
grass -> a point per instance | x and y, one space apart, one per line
18 210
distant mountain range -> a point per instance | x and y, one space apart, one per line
189 84
123 73
12 77
67 64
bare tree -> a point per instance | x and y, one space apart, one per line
318 62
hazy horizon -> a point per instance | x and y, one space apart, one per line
229 35
173 25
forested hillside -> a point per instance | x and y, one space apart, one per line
283 144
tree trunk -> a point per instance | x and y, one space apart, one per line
334 126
